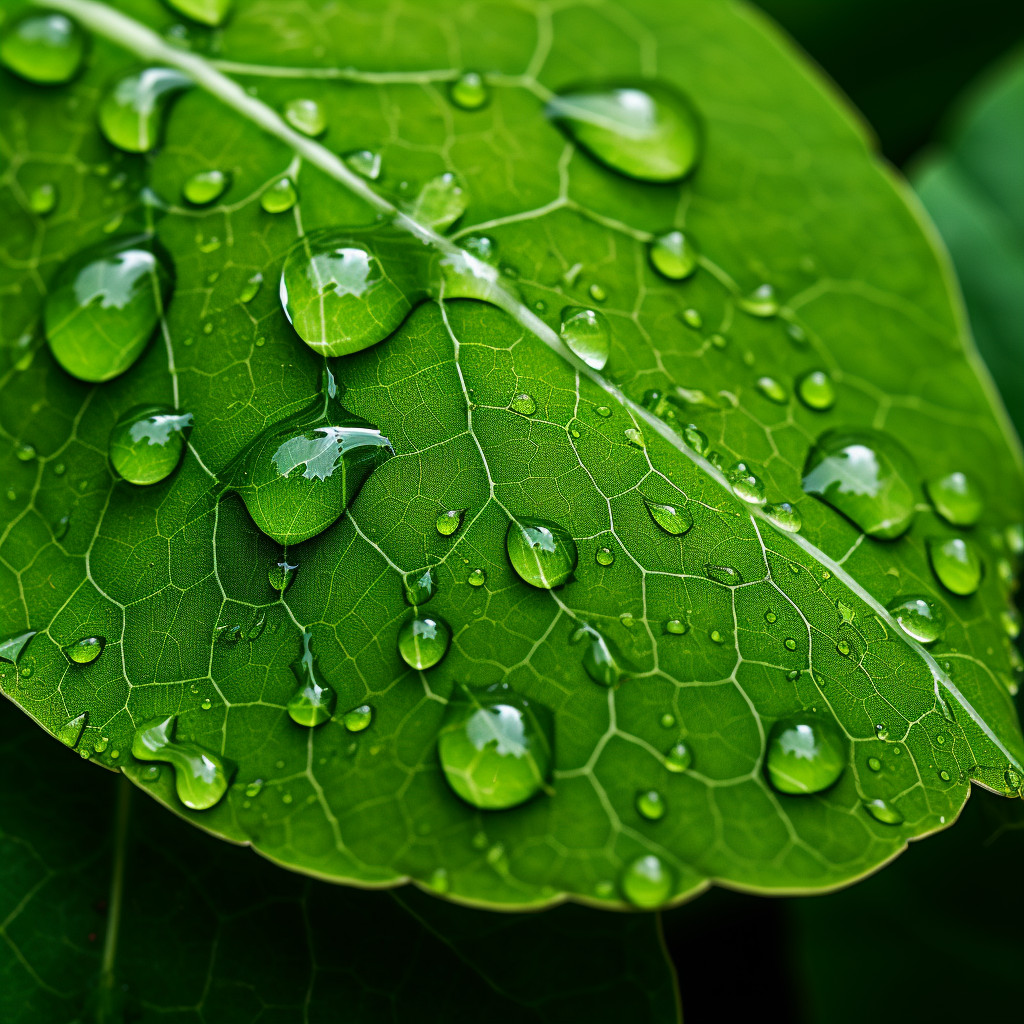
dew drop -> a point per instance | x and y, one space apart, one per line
147 443
495 747
541 552
201 778
746 484
85 651
679 757
281 574
206 12
784 516
920 618
884 812
627 620
205 187
716 637
523 404
677 627
789 643
251 288
587 335
603 411
45 48
650 804
42 200
440 202
635 437
956 563
597 292
365 163
874 764
692 318
423 642
132 112
279 197
602 660
805 754
843 648
727 575
604 557
673 519
71 731
103 306
468 91
449 522
206 704
772 390
816 390
956 498
306 116
695 438
358 719
314 701
647 881
674 255
477 578
648 131
761 302
420 586
867 477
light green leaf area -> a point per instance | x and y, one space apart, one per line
692 617
114 910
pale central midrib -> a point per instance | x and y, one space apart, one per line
142 41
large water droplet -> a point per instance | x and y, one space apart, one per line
85 651
919 617
647 881
761 302
648 131
674 255
586 333
816 390
132 112
440 203
867 477
43 47
746 484
604 557
883 811
784 516
201 778
206 12
147 442
306 116
423 642
956 498
449 522
673 519
205 187
343 291
280 197
358 719
314 701
103 306
541 552
468 91
805 754
956 563
495 747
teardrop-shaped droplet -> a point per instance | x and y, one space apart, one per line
635 437
298 476
673 519
251 288
205 187
727 575
919 617
147 443
43 47
773 390
201 778
650 804
816 390
13 647
280 197
677 627
883 811
746 484
85 651
477 578
956 497
449 522
132 112
71 731
805 754
674 255
314 701
956 563
604 557
523 404
358 719
423 642
206 12
365 163
541 552
784 516
440 202
280 575
586 333
495 747
602 660
343 291
761 302
695 438
679 757
42 200
103 307
420 586
306 116
647 881
468 91
867 477
647 131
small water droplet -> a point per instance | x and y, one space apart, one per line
716 637
956 563
805 754
477 578
919 617
602 660
695 438
420 586
789 643
674 255
647 882
281 574
85 651
43 47
816 390
761 302
784 516
541 552
306 116
956 497
843 648
627 620
874 764
42 200
673 519
772 390
365 163
523 404
884 812
635 437
650 804
468 91
147 443
280 197
668 720
587 335
677 627
692 318
206 704
205 187
314 701
746 484
679 757
597 292
603 411
254 788
358 719
440 202
448 523
604 556
132 112
727 575
71 731
423 642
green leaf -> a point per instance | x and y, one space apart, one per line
612 562
114 910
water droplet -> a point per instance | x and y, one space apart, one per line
101 744
205 187
884 812
365 163
772 390
635 437
805 754
650 804
679 757
727 575
919 617
601 658
524 404
597 292
1013 779
25 452
477 578
784 516
71 731
843 648
674 255
604 556
423 642
867 477
440 202
789 643
649 132
254 789
816 390
201 778
206 12
647 882
677 627
673 519
448 523
627 620
298 476
251 289
280 574
760 302
420 586
279 197
1011 620
770 617
358 719
42 200
45 48
746 484
956 563
147 443
206 704
956 498
307 116
541 552
586 333
495 747
314 701
716 637
132 112
103 306
874 764
695 438
468 91
692 318
343 291
85 651
603 411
